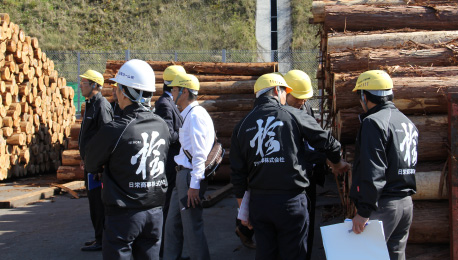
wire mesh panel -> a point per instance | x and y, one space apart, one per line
70 64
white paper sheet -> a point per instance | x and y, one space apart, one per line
340 244
244 208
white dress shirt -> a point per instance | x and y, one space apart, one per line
196 136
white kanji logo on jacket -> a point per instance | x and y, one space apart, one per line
264 133
151 148
409 144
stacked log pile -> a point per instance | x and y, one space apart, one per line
416 43
36 107
70 168
226 92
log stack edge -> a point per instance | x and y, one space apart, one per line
36 106
416 43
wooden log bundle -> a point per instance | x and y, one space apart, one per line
33 133
414 42
71 159
204 71
412 95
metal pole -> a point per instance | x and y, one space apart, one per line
176 56
272 55
224 55
127 54
78 79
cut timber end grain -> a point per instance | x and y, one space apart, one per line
5 18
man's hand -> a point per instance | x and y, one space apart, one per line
247 224
359 223
82 165
339 168
193 197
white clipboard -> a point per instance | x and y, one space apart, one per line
341 244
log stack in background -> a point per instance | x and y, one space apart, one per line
226 92
36 106
417 45
70 169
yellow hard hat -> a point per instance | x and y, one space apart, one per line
374 80
186 81
171 71
94 76
301 84
270 80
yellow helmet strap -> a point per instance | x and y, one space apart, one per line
364 101
180 92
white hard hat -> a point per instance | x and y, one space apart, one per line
136 74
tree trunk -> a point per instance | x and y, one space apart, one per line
432 142
318 7
227 105
75 131
71 158
224 87
411 94
367 18
430 223
70 173
225 68
367 59
16 139
387 40
428 186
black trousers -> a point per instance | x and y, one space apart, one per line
96 209
311 194
280 223
171 175
132 234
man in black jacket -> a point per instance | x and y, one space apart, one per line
166 108
117 111
385 160
133 152
98 112
301 84
268 159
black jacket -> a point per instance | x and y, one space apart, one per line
133 151
117 111
98 112
385 158
166 108
268 148
316 160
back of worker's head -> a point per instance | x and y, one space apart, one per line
266 84
377 85
169 75
136 81
95 79
301 84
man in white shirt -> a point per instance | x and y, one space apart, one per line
184 219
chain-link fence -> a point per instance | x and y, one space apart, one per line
70 64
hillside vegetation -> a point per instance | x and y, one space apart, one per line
149 25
